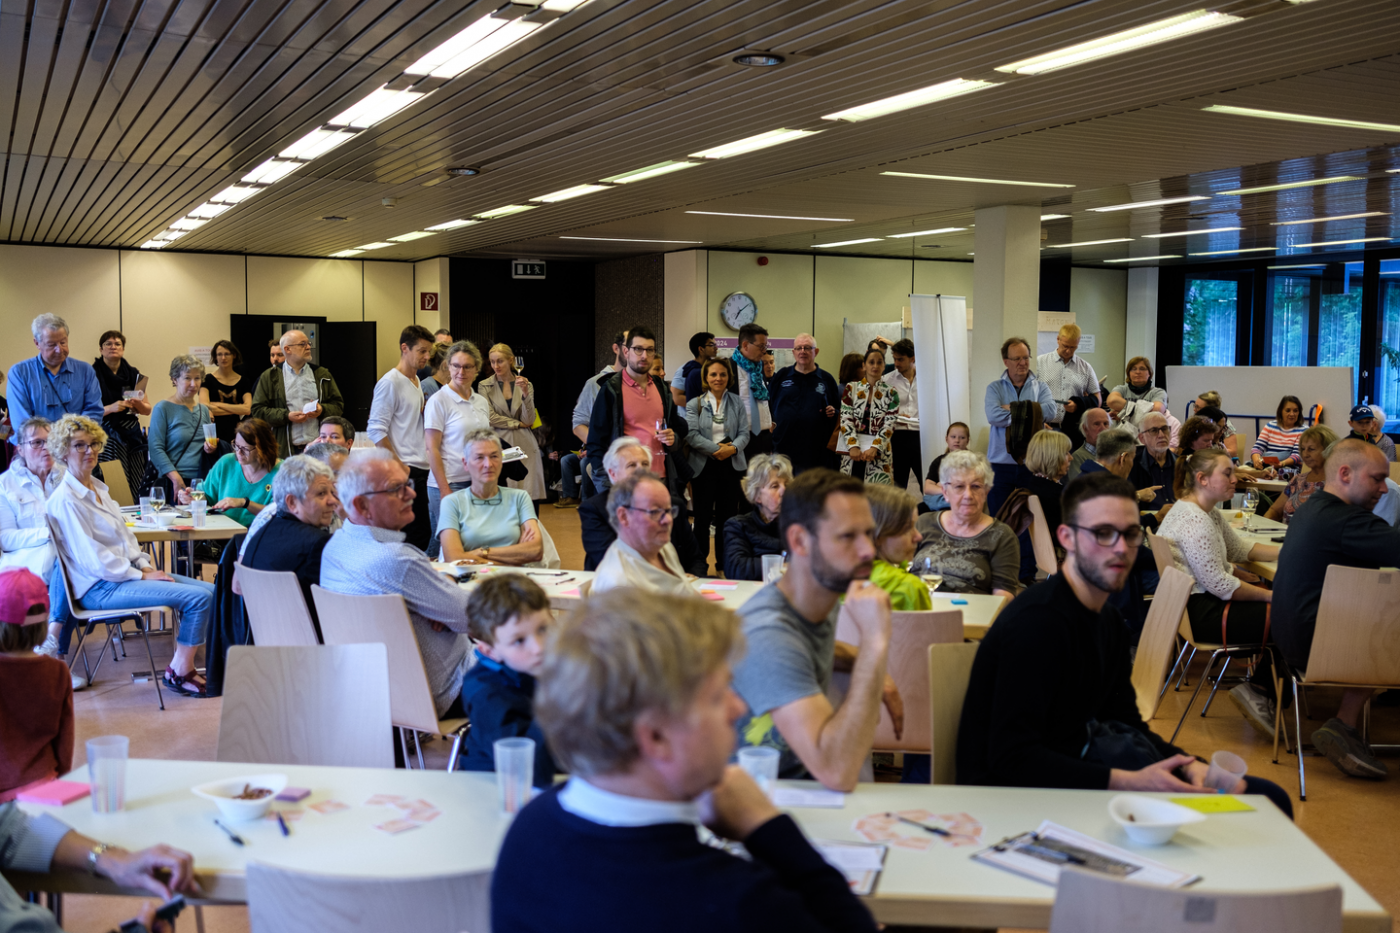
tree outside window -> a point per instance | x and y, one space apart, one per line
1208 333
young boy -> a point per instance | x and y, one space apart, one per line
507 617
36 691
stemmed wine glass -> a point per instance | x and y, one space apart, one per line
1251 502
157 500
519 365
927 569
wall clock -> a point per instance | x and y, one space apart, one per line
738 309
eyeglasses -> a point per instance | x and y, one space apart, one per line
396 490
1163 429
304 343
245 449
460 368
1018 359
83 447
803 349
645 351
37 445
655 514
1107 535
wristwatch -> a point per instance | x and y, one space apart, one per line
94 854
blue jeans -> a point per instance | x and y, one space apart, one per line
192 600
569 467
434 508
58 609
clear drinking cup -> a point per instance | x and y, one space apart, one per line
1226 769
210 431
107 772
772 567
515 772
199 509
148 512
761 763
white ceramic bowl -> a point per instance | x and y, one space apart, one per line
167 519
222 792
1153 821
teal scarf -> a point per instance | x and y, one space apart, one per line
757 384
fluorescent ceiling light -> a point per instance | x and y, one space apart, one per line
153 244
1369 239
1323 220
1054 216
380 105
753 143
772 216
444 53
1231 252
1141 258
346 253
562 6
910 99
169 235
188 223
1159 236
316 143
896 236
209 210
451 225
625 239
509 33
1163 30
1302 118
1292 184
872 239
980 181
1160 202
235 193
1126 239
373 246
270 171
1311 265
651 171
504 211
566 193
406 237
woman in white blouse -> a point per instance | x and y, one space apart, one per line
1225 605
719 432
106 567
450 415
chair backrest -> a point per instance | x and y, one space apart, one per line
1087 902
285 901
1162 556
325 705
1357 639
276 608
354 620
118 487
549 560
984 440
1314 415
910 635
1395 471
1157 643
1041 544
949 669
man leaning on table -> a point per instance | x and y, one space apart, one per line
642 513
1050 702
790 627
634 698
42 844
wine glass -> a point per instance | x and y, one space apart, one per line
519 364
928 570
157 500
1251 502
197 493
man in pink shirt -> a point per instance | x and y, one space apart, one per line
637 404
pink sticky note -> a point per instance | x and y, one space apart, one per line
54 793
571 592
713 597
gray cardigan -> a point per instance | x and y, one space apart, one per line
700 421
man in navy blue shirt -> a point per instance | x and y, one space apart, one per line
49 384
804 399
686 383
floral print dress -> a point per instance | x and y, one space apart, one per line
872 410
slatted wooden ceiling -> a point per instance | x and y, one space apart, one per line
122 116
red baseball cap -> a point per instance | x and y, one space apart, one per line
20 593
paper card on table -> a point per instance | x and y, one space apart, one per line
54 793
419 804
1214 803
293 794
394 827
329 806
861 864
1040 855
381 800
805 797
720 585
422 815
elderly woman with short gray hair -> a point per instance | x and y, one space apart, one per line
486 521
971 550
749 536
176 435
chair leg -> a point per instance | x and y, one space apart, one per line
92 675
1183 682
456 750
1172 673
79 652
1205 675
155 678
403 744
1216 686
418 747
1298 723
199 918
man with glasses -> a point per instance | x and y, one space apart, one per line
369 557
1155 466
642 557
635 403
803 399
1017 384
753 387
294 396
686 384
50 385
1054 672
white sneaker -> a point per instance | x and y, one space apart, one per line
1257 708
79 682
49 648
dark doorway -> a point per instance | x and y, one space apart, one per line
346 348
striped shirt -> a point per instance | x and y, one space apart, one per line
1275 441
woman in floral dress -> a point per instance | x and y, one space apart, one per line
869 408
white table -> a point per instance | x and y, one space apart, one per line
1257 851
978 615
1262 531
216 528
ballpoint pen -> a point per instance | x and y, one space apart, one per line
283 823
936 830
231 834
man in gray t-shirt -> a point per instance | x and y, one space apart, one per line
790 629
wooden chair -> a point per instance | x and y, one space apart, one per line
112 618
1395 471
1356 643
1041 543
1158 639
277 610
118 487
324 705
911 634
351 620
284 901
949 669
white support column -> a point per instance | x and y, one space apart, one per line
1006 282
1140 335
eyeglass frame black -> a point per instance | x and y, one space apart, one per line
1117 533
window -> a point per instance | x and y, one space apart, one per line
1339 319
1289 314
1388 364
1208 332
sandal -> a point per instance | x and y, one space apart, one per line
188 685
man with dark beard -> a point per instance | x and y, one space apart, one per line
1050 702
790 629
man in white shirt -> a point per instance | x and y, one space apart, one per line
643 556
1070 378
905 445
753 387
396 423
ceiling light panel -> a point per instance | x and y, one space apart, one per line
431 63
369 246
1162 236
624 239
567 193
234 194
507 34
909 100
1323 220
1141 205
1369 239
316 143
872 239
273 170
896 236
1163 30
1054 217
379 106
651 171
772 216
1232 252
346 253
409 237
753 143
209 210
1262 189
1302 118
504 211
980 181
451 225
1127 239
1141 258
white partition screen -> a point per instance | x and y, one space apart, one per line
1256 390
940 347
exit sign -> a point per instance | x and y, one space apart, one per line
527 268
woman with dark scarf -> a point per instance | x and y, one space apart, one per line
123 399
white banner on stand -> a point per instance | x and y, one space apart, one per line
940 349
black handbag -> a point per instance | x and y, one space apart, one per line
1118 746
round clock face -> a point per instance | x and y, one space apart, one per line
738 309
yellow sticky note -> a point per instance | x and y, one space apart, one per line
1214 803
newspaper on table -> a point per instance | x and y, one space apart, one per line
1040 855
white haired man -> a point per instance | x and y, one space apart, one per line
625 456
643 515
49 384
292 397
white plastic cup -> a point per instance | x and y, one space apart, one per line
515 772
1226 769
210 431
761 763
106 756
199 508
148 512
772 567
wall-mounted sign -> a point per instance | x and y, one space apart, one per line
427 301
527 268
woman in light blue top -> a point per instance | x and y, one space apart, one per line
176 435
719 432
486 522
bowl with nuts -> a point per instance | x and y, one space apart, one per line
243 798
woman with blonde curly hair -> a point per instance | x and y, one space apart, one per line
512 401
106 567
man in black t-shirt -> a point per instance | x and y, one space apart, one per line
1335 526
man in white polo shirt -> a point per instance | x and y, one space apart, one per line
396 423
1071 381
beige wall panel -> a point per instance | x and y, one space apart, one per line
389 302
859 290
1099 300
782 290
329 288
944 278
79 285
